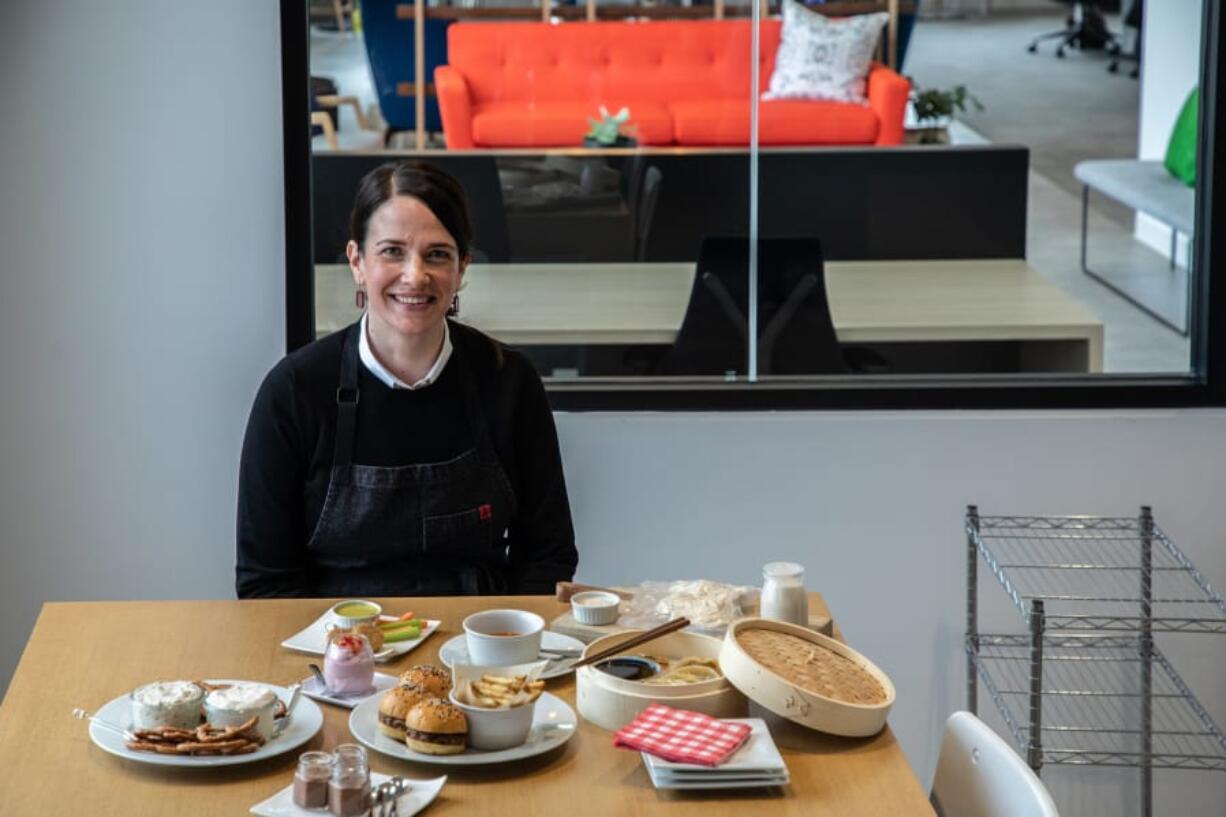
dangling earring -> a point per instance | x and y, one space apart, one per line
359 298
455 306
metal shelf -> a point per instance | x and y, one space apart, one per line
1091 708
1086 684
1092 573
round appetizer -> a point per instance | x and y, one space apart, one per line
167 703
394 708
434 679
436 727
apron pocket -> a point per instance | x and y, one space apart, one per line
463 533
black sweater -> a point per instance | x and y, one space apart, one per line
290 444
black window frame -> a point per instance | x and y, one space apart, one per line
1203 386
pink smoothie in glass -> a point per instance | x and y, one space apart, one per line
349 665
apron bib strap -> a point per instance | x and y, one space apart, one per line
347 399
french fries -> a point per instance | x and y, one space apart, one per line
499 692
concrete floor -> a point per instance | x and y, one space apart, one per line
1063 110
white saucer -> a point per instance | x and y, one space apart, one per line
305 722
455 651
420 795
314 638
553 723
383 682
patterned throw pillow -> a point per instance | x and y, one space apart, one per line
824 58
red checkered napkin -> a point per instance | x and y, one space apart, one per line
682 736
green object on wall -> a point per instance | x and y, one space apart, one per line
1181 150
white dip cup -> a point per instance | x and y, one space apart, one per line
236 704
489 645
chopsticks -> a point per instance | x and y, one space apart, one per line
641 638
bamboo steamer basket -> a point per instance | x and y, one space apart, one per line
611 702
780 690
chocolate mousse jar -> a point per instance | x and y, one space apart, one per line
312 779
349 789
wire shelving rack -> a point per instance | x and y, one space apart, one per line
1086 684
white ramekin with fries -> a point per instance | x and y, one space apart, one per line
498 702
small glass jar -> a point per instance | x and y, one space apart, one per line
784 597
311 780
349 665
349 790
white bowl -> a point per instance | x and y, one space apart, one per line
236 705
594 607
352 621
486 649
494 729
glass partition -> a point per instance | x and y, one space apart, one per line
906 193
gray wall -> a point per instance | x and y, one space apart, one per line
142 294
141 302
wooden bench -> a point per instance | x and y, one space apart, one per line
1145 186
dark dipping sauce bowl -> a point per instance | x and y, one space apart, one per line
629 668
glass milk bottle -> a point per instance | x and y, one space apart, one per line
783 593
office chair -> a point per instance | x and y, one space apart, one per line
1085 28
979 775
795 332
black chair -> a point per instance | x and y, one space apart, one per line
1084 28
795 332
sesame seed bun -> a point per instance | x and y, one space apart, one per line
434 679
394 708
436 727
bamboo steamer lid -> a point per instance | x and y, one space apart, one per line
806 677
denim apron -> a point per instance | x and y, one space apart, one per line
431 529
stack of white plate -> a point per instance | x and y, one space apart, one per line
757 763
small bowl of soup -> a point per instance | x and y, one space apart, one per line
501 637
352 612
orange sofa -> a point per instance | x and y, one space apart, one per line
517 84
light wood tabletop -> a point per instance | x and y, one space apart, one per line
83 654
870 302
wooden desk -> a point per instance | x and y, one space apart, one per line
907 302
84 654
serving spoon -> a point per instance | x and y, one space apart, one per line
82 715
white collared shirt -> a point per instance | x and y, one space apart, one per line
367 356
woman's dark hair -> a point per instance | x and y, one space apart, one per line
433 187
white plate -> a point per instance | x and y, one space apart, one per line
383 682
758 756
306 721
553 723
419 796
313 638
455 651
747 783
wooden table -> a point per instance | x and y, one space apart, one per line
886 302
84 654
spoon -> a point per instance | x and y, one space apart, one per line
82 715
295 692
319 677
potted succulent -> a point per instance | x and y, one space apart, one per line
610 130
933 110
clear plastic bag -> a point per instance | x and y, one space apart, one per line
710 606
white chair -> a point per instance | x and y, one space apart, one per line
979 775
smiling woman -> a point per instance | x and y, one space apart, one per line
405 454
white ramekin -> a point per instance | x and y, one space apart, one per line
594 607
